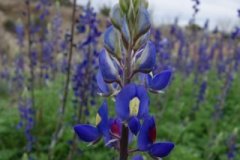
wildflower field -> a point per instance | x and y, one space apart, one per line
103 85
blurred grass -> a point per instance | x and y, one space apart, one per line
196 135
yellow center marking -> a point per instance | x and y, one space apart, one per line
134 106
98 119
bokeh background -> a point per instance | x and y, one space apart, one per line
199 111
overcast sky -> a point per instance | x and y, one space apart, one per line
220 12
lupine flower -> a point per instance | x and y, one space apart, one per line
89 133
158 82
132 100
5 73
18 77
236 33
20 33
109 68
201 95
84 79
237 59
105 89
146 58
112 42
127 52
164 48
26 121
232 148
147 138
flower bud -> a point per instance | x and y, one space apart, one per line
112 41
143 23
125 33
116 16
147 58
124 4
142 41
108 67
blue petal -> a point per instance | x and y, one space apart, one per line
137 157
147 59
143 22
112 41
116 16
103 113
161 81
161 149
122 101
144 141
134 125
87 133
144 102
103 87
126 95
108 68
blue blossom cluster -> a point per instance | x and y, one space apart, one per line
26 123
84 81
4 74
232 146
128 51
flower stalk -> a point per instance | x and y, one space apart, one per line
60 123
